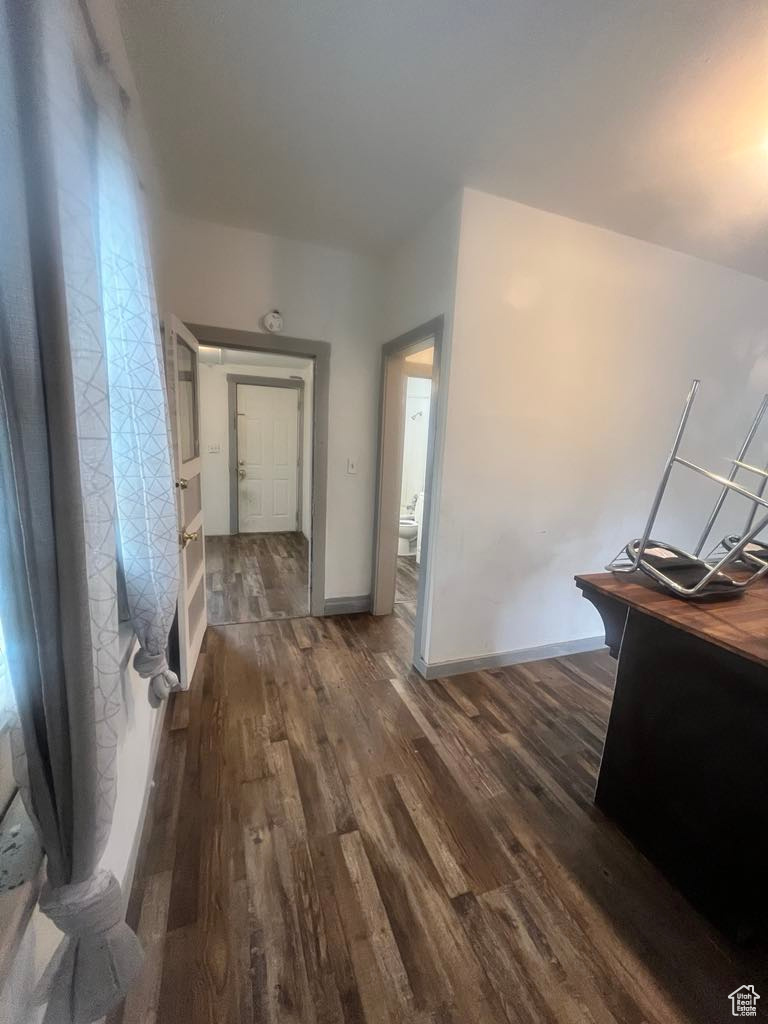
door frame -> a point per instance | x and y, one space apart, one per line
389 460
320 352
294 384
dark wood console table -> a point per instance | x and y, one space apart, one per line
685 765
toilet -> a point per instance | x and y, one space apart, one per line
407 533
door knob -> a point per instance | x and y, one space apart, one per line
186 537
182 484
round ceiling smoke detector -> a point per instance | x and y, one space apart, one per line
272 321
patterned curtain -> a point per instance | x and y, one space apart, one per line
74 277
7 702
57 506
148 544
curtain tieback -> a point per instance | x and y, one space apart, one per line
99 957
155 668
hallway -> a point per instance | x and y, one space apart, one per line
331 838
256 577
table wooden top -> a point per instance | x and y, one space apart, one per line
738 624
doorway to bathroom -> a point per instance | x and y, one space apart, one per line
407 428
413 475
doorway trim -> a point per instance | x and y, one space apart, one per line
320 352
292 383
431 330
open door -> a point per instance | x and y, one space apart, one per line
415 354
184 391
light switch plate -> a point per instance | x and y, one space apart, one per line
351 467
214 449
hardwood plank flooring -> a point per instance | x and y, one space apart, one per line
257 577
334 840
407 580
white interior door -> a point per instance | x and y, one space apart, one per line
267 458
184 391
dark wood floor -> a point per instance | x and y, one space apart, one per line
332 839
407 580
256 577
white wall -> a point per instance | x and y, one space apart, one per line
419 278
214 430
417 394
230 277
572 351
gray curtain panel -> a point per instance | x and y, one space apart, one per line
141 448
57 513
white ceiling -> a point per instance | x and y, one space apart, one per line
244 357
350 121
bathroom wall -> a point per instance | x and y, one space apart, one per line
415 439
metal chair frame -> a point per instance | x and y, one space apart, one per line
623 564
